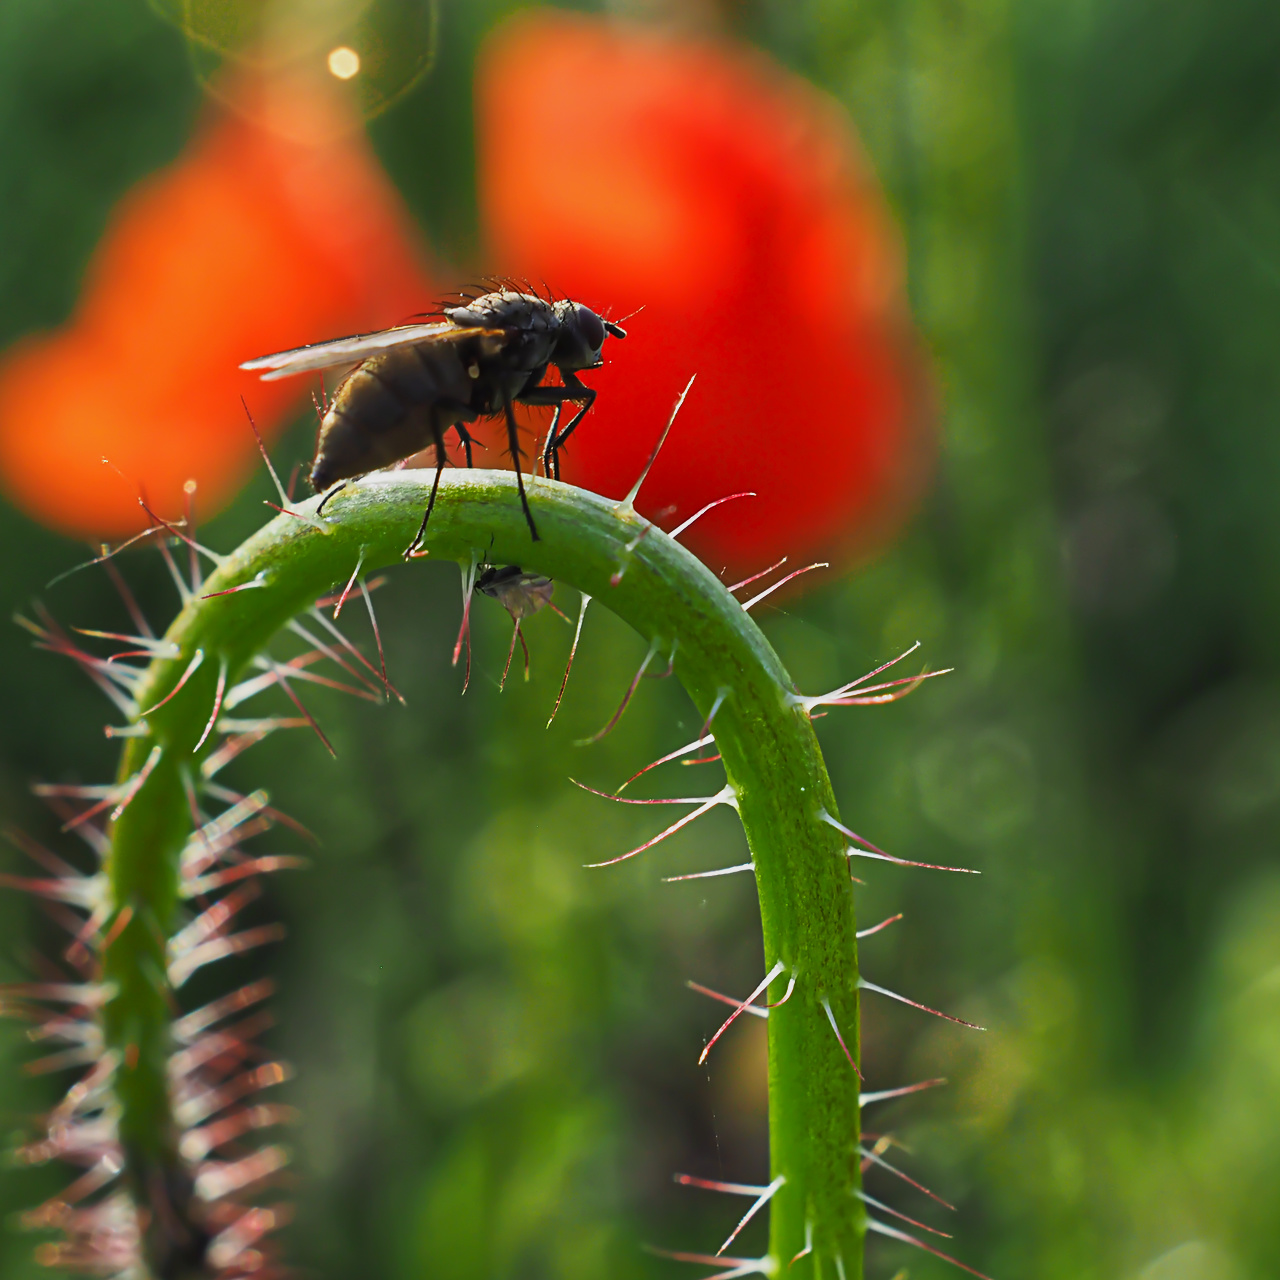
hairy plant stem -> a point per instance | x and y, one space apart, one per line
767 744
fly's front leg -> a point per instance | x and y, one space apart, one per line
573 391
549 459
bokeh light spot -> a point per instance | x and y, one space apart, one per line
344 62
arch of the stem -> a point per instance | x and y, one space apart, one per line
766 742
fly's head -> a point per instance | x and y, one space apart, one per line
581 336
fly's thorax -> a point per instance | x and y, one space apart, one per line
531 326
506 309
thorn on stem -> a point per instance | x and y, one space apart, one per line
870 850
777 969
515 635
782 582
883 1095
873 1156
893 1233
351 581
464 628
763 1199
680 528
707 875
573 649
710 1184
628 503
766 1266
756 1010
671 755
724 796
219 690
875 928
831 1018
377 639
755 577
192 667
283 682
626 698
285 504
258 580
808 1245
915 1004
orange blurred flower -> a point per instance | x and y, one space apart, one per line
630 169
276 227
729 200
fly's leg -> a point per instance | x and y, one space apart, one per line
333 489
513 441
574 391
550 461
467 441
555 444
437 439
584 396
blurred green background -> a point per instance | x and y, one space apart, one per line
495 1049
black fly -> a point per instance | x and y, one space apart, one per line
412 383
521 595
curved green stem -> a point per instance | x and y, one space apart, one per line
771 757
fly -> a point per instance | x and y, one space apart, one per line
521 595
412 383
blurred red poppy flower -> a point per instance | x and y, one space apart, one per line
731 201
275 227
631 169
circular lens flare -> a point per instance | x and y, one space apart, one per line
344 62
380 49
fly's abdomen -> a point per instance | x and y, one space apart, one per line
392 406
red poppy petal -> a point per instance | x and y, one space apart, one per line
731 201
264 234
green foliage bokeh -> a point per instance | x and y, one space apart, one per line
495 1048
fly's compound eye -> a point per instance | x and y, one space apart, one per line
590 329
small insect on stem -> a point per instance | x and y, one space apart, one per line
411 384
521 595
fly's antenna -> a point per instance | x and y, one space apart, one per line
636 312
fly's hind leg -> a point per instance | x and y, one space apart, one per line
437 439
467 441
513 441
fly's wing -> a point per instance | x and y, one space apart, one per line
345 351
520 594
